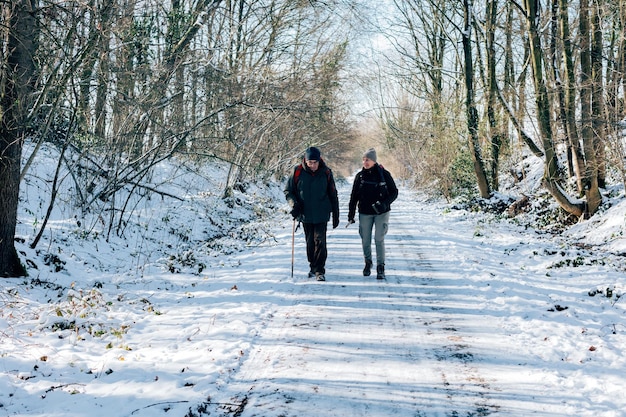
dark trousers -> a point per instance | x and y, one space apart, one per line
316 252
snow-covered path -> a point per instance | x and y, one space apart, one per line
356 346
474 319
416 344
457 329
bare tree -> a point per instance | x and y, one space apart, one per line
551 179
598 109
590 179
568 99
472 111
496 132
615 83
17 81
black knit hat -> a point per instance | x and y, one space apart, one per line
312 154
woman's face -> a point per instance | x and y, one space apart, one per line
368 163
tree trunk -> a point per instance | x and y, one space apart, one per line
590 182
86 75
472 112
569 90
551 177
495 129
597 100
18 76
559 84
103 76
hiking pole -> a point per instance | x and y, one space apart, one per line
293 240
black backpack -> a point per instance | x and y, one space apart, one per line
382 185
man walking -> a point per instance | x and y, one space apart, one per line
312 195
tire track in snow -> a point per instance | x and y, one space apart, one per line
450 352
356 346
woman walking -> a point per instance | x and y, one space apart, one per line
373 191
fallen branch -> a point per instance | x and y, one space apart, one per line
157 404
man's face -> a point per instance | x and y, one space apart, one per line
312 164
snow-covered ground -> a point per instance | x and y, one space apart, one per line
477 316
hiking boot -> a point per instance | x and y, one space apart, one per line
380 272
368 269
319 276
311 274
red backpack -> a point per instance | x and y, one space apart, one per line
298 171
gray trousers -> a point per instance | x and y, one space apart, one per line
380 223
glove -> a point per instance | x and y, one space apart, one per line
351 216
335 221
295 211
